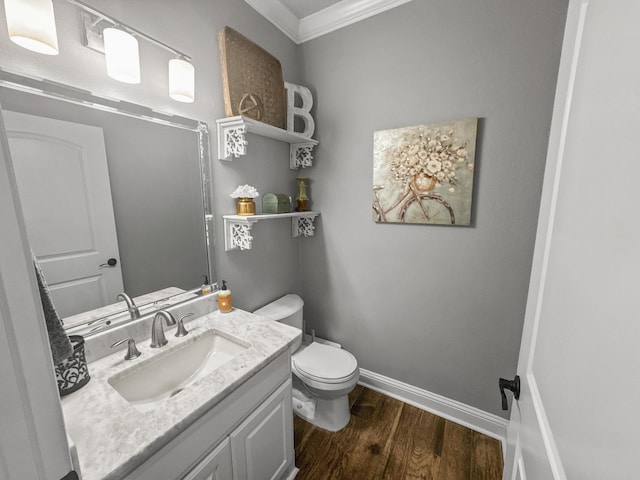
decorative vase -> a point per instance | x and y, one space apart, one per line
246 206
302 201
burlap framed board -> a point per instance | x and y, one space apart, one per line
251 80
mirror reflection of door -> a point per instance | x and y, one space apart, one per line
63 183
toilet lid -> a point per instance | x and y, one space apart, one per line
324 363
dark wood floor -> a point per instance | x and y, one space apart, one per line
388 439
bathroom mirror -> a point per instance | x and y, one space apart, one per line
111 184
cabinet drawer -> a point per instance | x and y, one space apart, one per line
215 466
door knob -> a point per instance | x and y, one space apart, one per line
112 262
513 385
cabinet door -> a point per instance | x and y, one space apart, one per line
262 446
215 466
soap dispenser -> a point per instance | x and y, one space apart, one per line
224 298
205 289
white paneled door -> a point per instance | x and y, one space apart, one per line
63 183
577 417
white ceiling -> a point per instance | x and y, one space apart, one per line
304 8
302 20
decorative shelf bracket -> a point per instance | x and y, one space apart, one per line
237 228
238 236
231 139
303 226
300 155
232 142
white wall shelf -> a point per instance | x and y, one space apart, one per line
237 228
232 142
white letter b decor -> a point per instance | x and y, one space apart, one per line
303 112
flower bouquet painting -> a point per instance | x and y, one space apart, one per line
424 173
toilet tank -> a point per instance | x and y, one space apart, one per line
287 309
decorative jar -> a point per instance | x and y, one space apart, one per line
245 206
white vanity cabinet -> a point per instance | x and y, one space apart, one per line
260 447
247 435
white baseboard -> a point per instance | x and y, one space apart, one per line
471 417
293 473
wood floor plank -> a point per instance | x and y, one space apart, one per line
358 451
370 445
486 459
320 457
367 404
417 446
304 432
388 439
455 463
301 432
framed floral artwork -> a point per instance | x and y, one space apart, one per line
424 173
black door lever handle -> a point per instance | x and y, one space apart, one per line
513 385
112 262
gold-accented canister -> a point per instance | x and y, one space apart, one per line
245 206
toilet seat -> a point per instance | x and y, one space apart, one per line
324 364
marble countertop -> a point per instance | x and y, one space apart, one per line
112 437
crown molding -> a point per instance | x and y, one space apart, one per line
341 14
279 15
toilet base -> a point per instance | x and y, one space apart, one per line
331 414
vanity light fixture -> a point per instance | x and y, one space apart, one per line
31 24
121 55
181 80
119 42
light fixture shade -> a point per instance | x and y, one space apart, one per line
31 25
182 80
121 55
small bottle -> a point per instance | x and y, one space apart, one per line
205 289
224 298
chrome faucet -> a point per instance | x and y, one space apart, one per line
157 330
131 306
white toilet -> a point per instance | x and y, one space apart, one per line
323 375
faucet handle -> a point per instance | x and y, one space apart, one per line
132 350
181 331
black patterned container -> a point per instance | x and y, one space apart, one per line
72 372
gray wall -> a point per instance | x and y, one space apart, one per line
272 268
437 307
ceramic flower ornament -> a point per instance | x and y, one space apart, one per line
245 191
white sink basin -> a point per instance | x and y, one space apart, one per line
149 383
